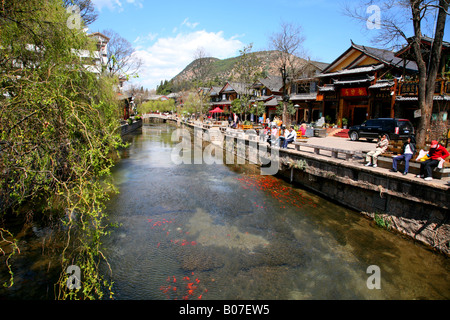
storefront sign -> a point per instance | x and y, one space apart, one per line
353 92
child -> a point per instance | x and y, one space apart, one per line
436 154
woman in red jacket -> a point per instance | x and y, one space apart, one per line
436 154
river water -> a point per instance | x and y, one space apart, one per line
213 232
202 231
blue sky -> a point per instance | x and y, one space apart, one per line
166 34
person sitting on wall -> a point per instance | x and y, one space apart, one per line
292 135
381 147
408 150
436 154
265 134
281 136
273 135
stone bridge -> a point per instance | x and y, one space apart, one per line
158 118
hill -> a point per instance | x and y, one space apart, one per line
220 71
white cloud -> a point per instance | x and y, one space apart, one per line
169 56
115 4
149 37
191 25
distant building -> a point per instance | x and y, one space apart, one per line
95 61
304 93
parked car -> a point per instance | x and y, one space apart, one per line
395 129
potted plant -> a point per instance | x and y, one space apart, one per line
344 122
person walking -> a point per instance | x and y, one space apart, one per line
408 150
436 154
381 147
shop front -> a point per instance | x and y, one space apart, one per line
354 107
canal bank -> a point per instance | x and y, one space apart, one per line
412 207
129 128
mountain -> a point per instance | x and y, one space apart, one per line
225 69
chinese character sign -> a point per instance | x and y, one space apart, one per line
353 92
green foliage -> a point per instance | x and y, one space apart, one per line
382 222
164 88
290 109
59 129
157 105
196 103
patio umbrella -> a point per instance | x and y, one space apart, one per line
216 110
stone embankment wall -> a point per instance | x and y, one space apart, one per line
126 128
414 208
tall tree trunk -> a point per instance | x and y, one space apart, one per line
428 71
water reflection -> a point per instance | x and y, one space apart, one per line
225 232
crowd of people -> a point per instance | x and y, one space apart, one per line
429 160
277 135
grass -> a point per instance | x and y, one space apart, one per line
382 222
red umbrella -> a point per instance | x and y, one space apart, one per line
216 110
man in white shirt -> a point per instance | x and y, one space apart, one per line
291 136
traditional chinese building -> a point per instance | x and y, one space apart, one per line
304 91
361 83
268 90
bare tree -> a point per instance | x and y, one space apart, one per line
288 46
395 18
202 66
121 58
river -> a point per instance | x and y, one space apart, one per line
215 231
224 231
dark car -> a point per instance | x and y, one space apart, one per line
395 129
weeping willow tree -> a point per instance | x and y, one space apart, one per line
58 126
